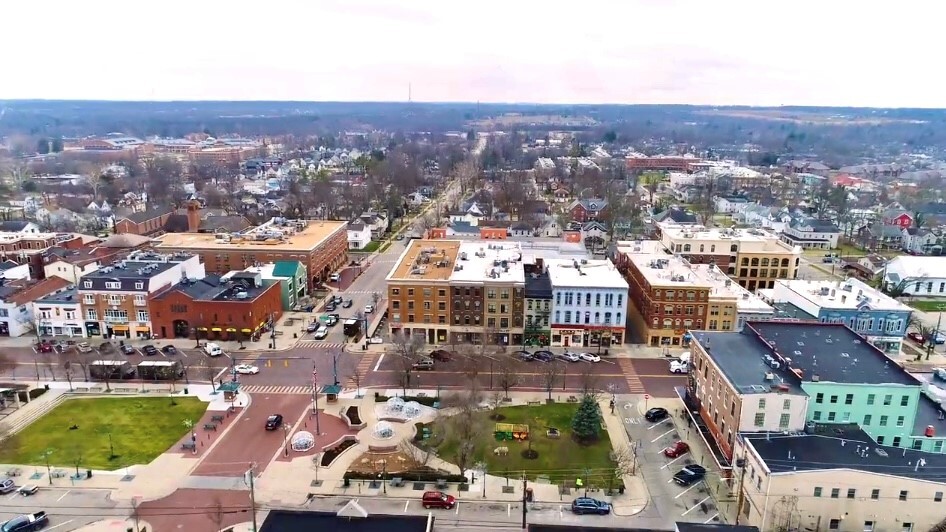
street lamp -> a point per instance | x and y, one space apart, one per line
286 429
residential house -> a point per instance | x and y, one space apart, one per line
16 303
811 233
878 236
922 241
687 193
11 270
916 276
594 231
376 221
866 268
677 215
583 210
59 314
810 167
19 227
359 235
521 229
416 199
730 204
898 217
561 194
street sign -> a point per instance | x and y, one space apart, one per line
646 396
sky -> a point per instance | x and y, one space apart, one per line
711 52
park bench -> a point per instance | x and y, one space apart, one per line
58 473
216 418
534 403
210 426
189 446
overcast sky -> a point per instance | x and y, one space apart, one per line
803 52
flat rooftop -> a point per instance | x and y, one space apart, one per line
850 448
749 240
131 270
641 247
489 262
850 294
831 351
274 235
68 296
740 356
746 301
430 260
588 273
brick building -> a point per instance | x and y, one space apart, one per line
321 245
667 163
29 248
233 307
145 223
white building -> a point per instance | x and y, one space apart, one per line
917 276
16 304
11 271
731 204
810 233
359 235
589 303
59 314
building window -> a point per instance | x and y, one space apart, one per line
849 399
880 440
787 404
819 398
903 495
834 524
410 318
89 299
896 441
883 421
875 494
783 421
442 293
760 419
143 315
816 415
851 492
568 316
888 399
87 284
900 421
396 305
870 399
410 292
831 416
817 491
834 399
762 403
835 493
91 314
905 400
867 418
139 285
938 496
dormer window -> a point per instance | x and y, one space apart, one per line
87 284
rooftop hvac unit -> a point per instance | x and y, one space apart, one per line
242 295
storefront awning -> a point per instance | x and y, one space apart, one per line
216 329
142 329
202 328
119 327
231 329
247 330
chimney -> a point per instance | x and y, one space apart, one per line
193 216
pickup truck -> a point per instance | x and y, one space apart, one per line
26 522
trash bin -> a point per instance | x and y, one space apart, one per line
528 494
46 386
185 391
621 489
346 483
88 473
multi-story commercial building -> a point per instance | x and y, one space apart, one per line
538 304
321 245
845 382
291 277
671 297
115 298
234 307
639 162
59 314
589 303
752 257
28 248
498 269
881 319
16 303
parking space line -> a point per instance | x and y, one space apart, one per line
655 425
13 495
697 505
458 508
665 466
508 509
711 518
686 490
63 496
406 504
661 436
64 523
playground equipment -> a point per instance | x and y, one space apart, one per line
511 432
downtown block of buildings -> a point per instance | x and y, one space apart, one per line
225 285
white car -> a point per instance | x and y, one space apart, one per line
677 366
245 369
376 340
571 357
589 357
369 309
84 347
321 333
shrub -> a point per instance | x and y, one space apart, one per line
426 401
421 475
352 414
330 455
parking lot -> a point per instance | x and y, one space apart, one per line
68 509
693 503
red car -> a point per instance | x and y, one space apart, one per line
677 449
916 337
43 347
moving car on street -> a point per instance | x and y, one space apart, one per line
587 505
369 309
273 422
321 333
347 304
246 369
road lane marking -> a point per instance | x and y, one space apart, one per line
697 505
63 496
711 518
378 365
508 509
64 523
661 436
406 504
458 508
665 466
695 484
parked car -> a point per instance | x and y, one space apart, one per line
916 337
689 474
26 523
337 300
347 304
424 364
7 485
678 448
441 355
169 350
334 278
369 309
128 349
589 357
544 356
939 373
27 490
44 347
212 349
570 357
523 355
84 347
312 327
330 307
587 505
438 499
149 350
399 237
376 340
273 422
245 369
939 338
677 366
656 414
321 333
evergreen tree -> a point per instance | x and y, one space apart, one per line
42 146
587 421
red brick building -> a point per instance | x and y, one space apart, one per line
583 210
662 163
146 223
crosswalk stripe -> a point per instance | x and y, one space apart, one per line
634 383
366 364
309 344
283 390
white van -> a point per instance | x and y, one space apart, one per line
212 349
334 278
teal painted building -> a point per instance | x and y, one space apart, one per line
290 274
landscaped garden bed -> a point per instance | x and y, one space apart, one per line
104 432
330 455
352 416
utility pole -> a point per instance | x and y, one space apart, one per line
525 483
251 483
315 399
742 478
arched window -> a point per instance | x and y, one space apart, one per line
686 248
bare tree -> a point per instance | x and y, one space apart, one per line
355 379
507 375
7 365
407 351
590 383
651 182
467 425
623 462
204 370
495 403
551 375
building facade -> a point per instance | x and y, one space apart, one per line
321 245
538 305
589 303
916 276
59 314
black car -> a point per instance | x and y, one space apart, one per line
169 350
273 422
127 349
656 414
347 303
149 350
544 356
689 474
587 505
441 355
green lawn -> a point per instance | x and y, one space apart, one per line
371 247
560 459
927 305
140 428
